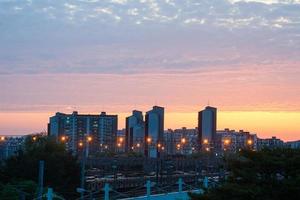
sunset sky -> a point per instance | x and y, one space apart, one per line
241 56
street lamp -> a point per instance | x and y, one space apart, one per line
226 142
149 140
63 138
178 146
120 141
89 138
2 138
84 144
183 140
80 144
205 141
249 142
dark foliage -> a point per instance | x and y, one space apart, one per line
61 168
264 175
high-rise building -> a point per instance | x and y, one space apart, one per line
76 127
207 128
233 141
293 144
181 141
269 143
135 132
154 130
10 145
108 127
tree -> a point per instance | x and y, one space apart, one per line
264 175
13 191
61 168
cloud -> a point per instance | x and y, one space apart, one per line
268 1
126 36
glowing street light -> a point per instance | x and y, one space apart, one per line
226 142
178 146
121 140
149 140
138 145
34 138
207 149
183 140
80 144
119 144
249 142
205 141
89 138
63 138
2 138
158 145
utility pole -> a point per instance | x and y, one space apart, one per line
41 179
50 194
85 146
82 174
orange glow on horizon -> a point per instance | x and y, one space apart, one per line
284 125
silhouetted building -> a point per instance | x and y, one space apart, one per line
181 141
10 145
135 132
76 127
293 144
207 128
269 143
154 130
108 127
233 141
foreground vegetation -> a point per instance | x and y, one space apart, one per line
264 175
19 174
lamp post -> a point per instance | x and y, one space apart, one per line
64 139
120 141
183 142
84 145
147 146
159 147
2 138
226 144
206 145
250 144
178 146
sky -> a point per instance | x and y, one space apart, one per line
241 56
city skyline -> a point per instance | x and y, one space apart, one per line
242 56
188 120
